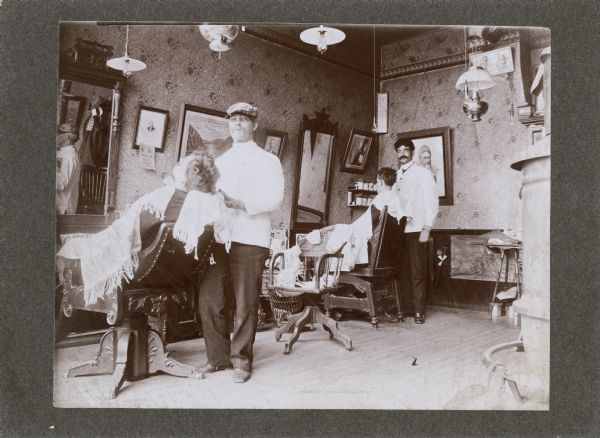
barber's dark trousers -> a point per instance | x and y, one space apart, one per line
244 265
417 260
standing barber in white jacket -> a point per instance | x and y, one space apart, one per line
419 201
252 182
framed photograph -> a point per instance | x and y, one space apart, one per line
434 151
72 110
496 62
357 151
151 128
274 141
203 129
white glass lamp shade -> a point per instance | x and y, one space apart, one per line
125 63
322 37
475 79
219 37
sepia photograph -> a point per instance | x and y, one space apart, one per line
234 273
275 142
433 151
357 152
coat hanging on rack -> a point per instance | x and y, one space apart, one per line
96 135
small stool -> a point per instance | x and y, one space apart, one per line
505 254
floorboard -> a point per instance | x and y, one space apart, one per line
319 373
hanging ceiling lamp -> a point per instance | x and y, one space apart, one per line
322 37
126 64
473 81
219 37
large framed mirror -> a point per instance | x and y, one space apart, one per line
89 96
314 168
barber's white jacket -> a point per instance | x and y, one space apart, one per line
67 180
418 196
254 176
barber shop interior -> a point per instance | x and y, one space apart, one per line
302 216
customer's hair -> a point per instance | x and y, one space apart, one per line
387 175
201 173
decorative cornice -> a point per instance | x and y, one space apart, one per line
418 67
296 45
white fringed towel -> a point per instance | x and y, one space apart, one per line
109 257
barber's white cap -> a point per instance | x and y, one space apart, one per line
242 108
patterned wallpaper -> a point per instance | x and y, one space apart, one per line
421 48
486 189
282 83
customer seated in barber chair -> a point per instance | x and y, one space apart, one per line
189 200
357 234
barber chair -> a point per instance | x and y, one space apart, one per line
319 273
166 276
381 271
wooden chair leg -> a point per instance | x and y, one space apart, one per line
104 362
331 326
159 360
123 345
291 322
307 318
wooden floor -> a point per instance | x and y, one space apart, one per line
319 373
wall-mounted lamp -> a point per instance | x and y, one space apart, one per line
322 37
126 64
219 37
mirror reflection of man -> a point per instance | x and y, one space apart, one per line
68 169
252 182
418 196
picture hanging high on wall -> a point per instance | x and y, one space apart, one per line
434 152
151 128
203 129
274 141
357 151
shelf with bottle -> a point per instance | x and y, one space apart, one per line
361 194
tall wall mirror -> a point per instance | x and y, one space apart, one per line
313 176
88 102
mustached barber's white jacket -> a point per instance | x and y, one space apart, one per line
417 193
254 176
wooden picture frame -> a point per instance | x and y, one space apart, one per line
203 129
274 141
438 141
72 110
151 128
357 151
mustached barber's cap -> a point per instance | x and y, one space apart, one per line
242 108
66 128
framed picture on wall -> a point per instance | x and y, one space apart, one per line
203 129
274 141
357 151
434 151
151 128
72 110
